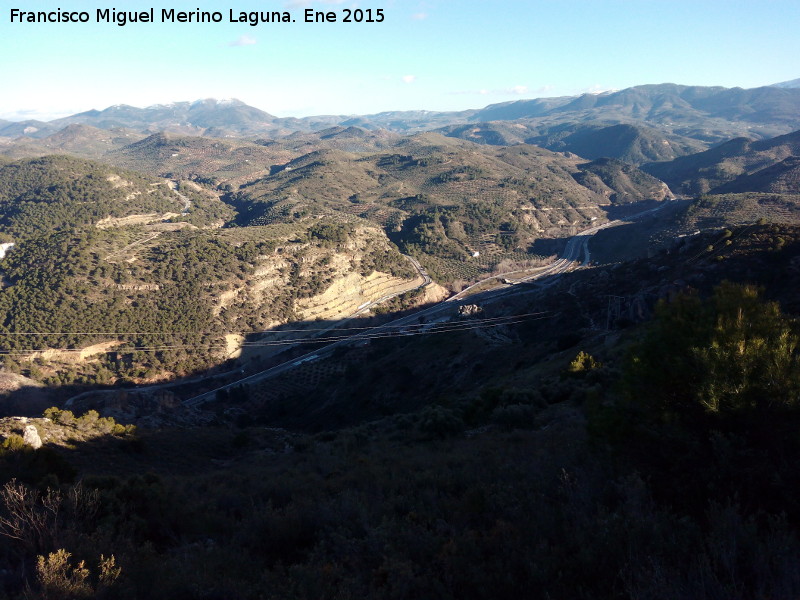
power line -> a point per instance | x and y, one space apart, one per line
253 332
372 333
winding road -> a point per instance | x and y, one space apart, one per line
568 261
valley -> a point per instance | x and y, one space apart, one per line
549 344
222 255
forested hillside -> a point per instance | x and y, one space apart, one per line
445 200
114 275
44 195
578 475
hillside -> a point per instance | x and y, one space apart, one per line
780 178
730 164
82 141
509 351
217 160
622 183
495 133
443 200
524 441
131 273
632 143
13 129
52 193
582 433
210 159
794 83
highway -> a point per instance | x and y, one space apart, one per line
426 280
326 350
576 246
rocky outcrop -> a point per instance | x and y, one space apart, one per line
31 437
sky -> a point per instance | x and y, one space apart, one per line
425 54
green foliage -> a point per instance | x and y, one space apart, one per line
427 233
732 355
62 417
20 461
460 173
61 284
53 193
90 422
387 260
14 443
332 233
709 403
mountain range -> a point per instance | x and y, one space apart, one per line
705 113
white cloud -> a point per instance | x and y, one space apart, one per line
420 16
409 78
518 90
244 40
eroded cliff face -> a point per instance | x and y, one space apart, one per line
321 280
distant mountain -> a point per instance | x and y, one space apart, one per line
30 128
728 167
217 117
706 114
635 144
794 83
646 102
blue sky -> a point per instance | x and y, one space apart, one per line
426 54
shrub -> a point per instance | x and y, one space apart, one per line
14 443
59 579
440 422
582 364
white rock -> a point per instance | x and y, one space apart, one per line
31 437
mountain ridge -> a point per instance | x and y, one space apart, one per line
769 110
